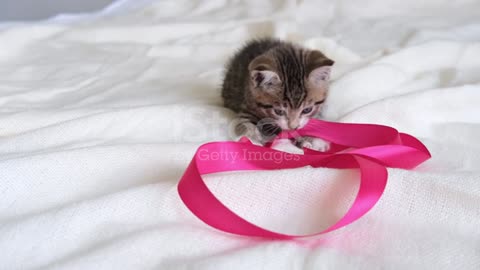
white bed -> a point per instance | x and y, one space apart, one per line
101 113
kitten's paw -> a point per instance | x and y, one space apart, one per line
256 139
286 145
250 131
313 143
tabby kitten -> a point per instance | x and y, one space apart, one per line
275 85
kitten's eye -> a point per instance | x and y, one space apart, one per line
307 110
279 112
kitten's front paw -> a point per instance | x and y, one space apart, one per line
250 131
313 143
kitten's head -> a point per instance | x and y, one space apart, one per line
289 85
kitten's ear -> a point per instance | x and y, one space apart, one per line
320 76
262 72
264 78
318 68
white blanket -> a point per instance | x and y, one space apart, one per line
100 115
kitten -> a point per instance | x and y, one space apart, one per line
275 85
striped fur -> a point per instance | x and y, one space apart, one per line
277 80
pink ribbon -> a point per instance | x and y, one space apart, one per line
370 148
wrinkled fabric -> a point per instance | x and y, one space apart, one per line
100 115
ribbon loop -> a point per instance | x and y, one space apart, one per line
368 147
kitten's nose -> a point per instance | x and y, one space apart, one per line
293 126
